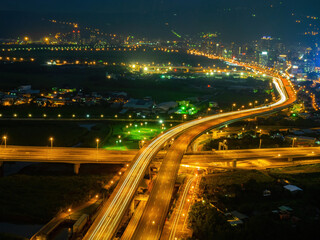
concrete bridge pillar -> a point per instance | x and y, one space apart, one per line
76 168
234 163
132 206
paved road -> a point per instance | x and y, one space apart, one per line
153 218
127 235
179 210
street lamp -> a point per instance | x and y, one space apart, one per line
69 212
51 141
293 140
233 105
5 141
255 102
97 141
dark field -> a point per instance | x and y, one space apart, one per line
40 191
65 134
242 191
93 79
111 56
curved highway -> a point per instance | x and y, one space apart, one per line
105 225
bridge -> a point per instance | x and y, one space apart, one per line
153 217
206 159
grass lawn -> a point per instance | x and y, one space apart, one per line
127 135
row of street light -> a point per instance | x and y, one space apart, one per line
184 116
15 115
51 139
250 104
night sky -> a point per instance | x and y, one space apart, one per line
234 19
311 6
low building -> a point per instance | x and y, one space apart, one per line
139 104
292 188
235 218
166 106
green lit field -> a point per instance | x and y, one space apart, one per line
128 135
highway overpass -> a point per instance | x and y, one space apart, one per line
64 155
105 226
148 227
101 156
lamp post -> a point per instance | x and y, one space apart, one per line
51 142
233 105
184 117
97 141
293 141
5 141
69 212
